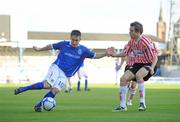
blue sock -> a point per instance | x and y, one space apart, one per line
78 87
49 94
86 84
39 85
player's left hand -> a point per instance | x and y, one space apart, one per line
151 69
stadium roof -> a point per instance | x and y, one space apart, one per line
91 40
35 35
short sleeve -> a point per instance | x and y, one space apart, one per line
58 46
89 53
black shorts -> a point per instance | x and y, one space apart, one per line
128 68
146 78
137 66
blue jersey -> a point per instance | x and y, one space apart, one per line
82 65
69 58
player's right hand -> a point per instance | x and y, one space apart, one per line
151 70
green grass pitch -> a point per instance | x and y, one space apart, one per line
163 105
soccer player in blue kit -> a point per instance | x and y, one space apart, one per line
68 62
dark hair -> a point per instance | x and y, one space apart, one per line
138 26
75 33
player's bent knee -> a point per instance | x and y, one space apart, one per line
46 85
123 79
123 83
139 76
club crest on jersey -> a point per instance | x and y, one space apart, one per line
79 51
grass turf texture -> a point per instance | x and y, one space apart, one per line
163 105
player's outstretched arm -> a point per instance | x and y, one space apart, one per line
100 55
121 54
47 47
111 52
108 52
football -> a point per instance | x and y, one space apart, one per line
48 103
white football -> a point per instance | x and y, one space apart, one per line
48 103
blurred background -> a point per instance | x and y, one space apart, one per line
103 23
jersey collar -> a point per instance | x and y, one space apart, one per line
71 45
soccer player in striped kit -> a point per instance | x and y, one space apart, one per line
144 64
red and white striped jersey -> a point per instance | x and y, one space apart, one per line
143 49
130 56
